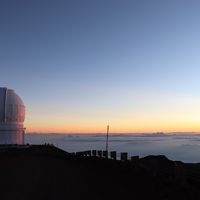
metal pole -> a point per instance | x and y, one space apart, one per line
5 101
107 138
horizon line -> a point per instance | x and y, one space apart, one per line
87 133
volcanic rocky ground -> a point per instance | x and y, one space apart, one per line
48 173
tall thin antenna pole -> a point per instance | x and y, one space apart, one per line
107 138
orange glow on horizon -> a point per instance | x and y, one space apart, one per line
116 128
129 125
145 114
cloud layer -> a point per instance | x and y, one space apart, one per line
183 147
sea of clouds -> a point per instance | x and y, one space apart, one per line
183 147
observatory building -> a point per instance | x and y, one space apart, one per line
12 115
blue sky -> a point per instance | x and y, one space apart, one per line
83 63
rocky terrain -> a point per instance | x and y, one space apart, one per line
45 172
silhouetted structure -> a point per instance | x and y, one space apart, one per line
107 138
46 172
94 152
124 156
99 153
134 158
113 155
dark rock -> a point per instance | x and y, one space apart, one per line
46 172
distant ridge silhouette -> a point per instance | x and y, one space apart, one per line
46 172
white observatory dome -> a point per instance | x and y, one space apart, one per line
12 115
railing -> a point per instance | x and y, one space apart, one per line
123 156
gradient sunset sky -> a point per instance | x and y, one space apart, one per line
81 64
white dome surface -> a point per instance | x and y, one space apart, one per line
12 115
